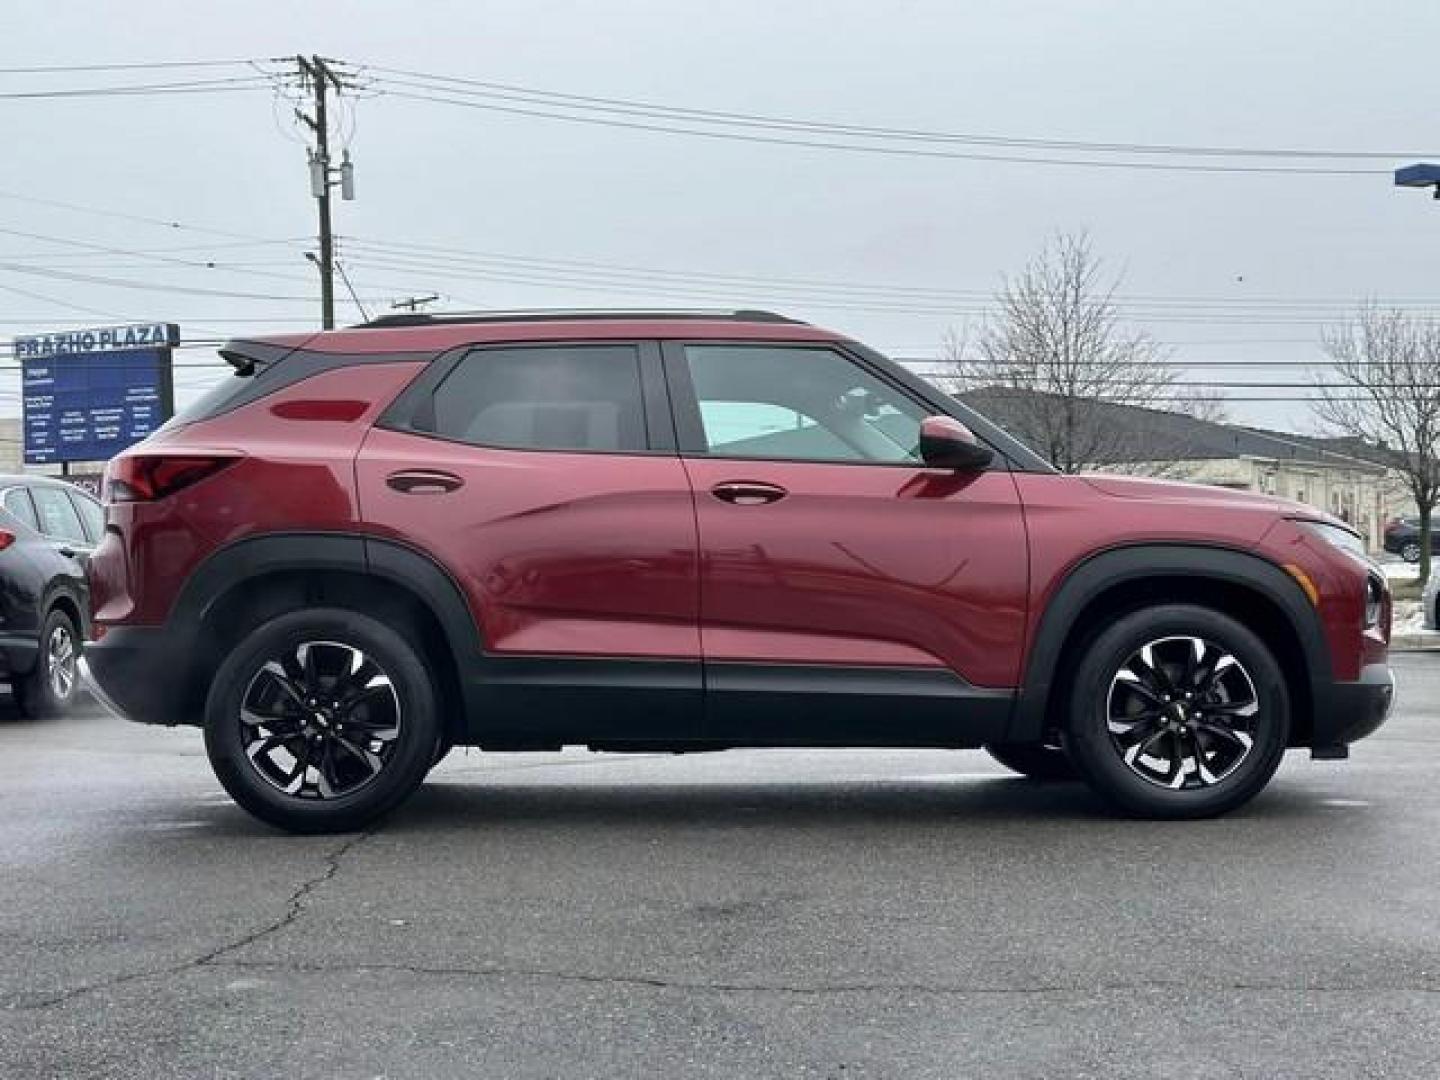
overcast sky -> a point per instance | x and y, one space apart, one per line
1222 249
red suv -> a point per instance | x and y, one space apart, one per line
640 532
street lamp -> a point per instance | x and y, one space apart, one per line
1419 176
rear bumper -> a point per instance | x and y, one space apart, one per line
135 673
1353 710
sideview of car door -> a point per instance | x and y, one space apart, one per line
848 593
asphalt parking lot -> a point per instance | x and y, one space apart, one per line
749 914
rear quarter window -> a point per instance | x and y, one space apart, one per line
259 369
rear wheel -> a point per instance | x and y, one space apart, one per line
321 721
1411 551
1177 712
1034 760
52 687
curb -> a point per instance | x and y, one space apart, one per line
1426 642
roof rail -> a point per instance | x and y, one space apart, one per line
446 318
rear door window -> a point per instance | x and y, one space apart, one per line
562 397
58 517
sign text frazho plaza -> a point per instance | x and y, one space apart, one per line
91 393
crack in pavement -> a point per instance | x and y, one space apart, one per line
294 908
659 983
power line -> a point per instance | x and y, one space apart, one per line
36 200
431 255
681 290
158 287
127 283
413 258
138 65
63 303
340 269
512 92
161 259
197 86
663 126
241 320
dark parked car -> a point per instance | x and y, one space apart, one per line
1402 537
47 529
642 532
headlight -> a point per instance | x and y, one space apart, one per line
1376 591
1337 535
1374 600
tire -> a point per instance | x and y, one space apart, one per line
300 673
51 689
1034 760
1410 551
1148 750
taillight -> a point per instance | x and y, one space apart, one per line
147 477
6 538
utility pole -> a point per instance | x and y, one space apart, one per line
415 303
317 76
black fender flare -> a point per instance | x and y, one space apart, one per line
1100 572
71 589
393 561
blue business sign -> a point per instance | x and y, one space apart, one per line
91 393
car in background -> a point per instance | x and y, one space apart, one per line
1402 537
47 530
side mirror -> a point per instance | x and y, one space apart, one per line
945 443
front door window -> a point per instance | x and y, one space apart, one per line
789 403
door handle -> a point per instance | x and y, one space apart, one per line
424 482
748 492
67 551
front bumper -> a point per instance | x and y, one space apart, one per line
17 655
1351 710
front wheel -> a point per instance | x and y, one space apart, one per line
321 721
51 689
1411 552
1177 712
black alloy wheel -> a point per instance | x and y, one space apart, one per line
54 684
1182 712
322 720
1178 711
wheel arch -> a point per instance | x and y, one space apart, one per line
1109 584
71 605
254 579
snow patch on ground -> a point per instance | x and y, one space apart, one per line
1410 619
1400 571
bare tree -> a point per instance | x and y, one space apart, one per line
1202 403
1056 347
1384 387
